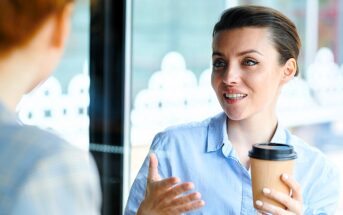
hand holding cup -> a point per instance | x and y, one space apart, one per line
292 203
274 189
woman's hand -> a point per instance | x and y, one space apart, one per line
167 196
292 203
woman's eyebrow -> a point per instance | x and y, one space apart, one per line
217 53
249 51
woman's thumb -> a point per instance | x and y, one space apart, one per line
153 170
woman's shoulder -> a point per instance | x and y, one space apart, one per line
44 140
30 150
30 146
318 176
28 140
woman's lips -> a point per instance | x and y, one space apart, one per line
232 98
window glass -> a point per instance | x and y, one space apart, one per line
169 55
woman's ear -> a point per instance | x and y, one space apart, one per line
62 26
289 70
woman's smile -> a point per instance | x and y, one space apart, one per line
233 96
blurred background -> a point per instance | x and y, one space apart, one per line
134 67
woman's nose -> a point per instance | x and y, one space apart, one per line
231 76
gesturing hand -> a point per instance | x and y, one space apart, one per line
166 196
293 203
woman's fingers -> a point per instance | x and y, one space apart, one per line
269 208
153 170
187 198
292 204
284 199
167 196
178 190
293 185
177 203
174 198
189 206
166 184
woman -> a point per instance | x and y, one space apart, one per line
40 173
255 51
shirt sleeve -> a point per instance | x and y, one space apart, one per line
138 188
65 183
324 195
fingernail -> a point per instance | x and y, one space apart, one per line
259 203
190 185
176 179
197 195
284 176
266 190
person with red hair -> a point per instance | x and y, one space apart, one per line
40 172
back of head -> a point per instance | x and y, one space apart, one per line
283 31
21 19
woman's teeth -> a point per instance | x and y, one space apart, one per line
234 96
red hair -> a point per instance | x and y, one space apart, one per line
21 19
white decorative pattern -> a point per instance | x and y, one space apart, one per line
173 96
66 114
325 78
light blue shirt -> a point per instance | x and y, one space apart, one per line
42 174
202 153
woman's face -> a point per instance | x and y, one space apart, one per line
246 73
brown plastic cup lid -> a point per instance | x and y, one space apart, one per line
272 151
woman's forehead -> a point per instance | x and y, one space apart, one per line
243 32
243 38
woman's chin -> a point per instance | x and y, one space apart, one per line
234 117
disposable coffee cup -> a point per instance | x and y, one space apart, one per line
268 162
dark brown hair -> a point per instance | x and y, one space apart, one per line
284 33
21 19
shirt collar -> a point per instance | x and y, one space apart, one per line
279 135
215 137
218 138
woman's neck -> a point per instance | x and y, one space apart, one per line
15 79
244 133
251 132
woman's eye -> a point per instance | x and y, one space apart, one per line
249 62
219 64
